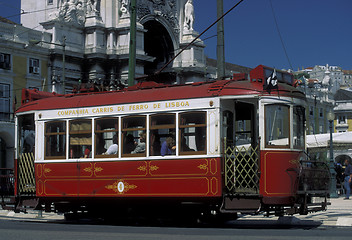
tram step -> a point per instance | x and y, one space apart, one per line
244 205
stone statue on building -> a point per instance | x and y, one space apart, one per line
93 7
189 16
125 5
81 15
60 3
70 11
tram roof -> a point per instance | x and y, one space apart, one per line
151 91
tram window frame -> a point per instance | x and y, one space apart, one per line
244 124
162 126
298 126
113 131
136 132
48 134
183 126
84 135
283 127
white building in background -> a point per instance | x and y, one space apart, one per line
320 97
96 36
347 79
335 76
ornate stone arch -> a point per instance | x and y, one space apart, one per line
174 35
160 40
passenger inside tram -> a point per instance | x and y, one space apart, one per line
87 152
114 147
168 147
128 144
140 147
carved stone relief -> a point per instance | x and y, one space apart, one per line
76 11
165 8
124 8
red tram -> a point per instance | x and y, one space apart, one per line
218 147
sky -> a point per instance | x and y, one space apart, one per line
313 32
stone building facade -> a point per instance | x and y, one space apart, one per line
94 37
343 111
20 67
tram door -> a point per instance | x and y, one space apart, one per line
241 148
25 155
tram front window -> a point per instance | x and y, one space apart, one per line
277 128
298 127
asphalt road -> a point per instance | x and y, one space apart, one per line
23 230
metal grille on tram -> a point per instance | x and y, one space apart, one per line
26 179
241 169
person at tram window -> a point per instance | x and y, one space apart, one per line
140 147
168 147
113 147
129 144
87 152
155 143
348 177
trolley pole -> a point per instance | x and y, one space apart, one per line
132 49
64 64
220 49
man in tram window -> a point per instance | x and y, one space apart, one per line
168 147
128 145
155 143
140 147
87 152
113 147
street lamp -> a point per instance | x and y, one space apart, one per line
333 194
63 45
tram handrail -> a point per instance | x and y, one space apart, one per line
307 168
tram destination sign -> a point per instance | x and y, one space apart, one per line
134 108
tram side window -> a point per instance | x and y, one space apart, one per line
80 138
192 133
163 134
277 128
298 127
133 136
106 137
55 140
